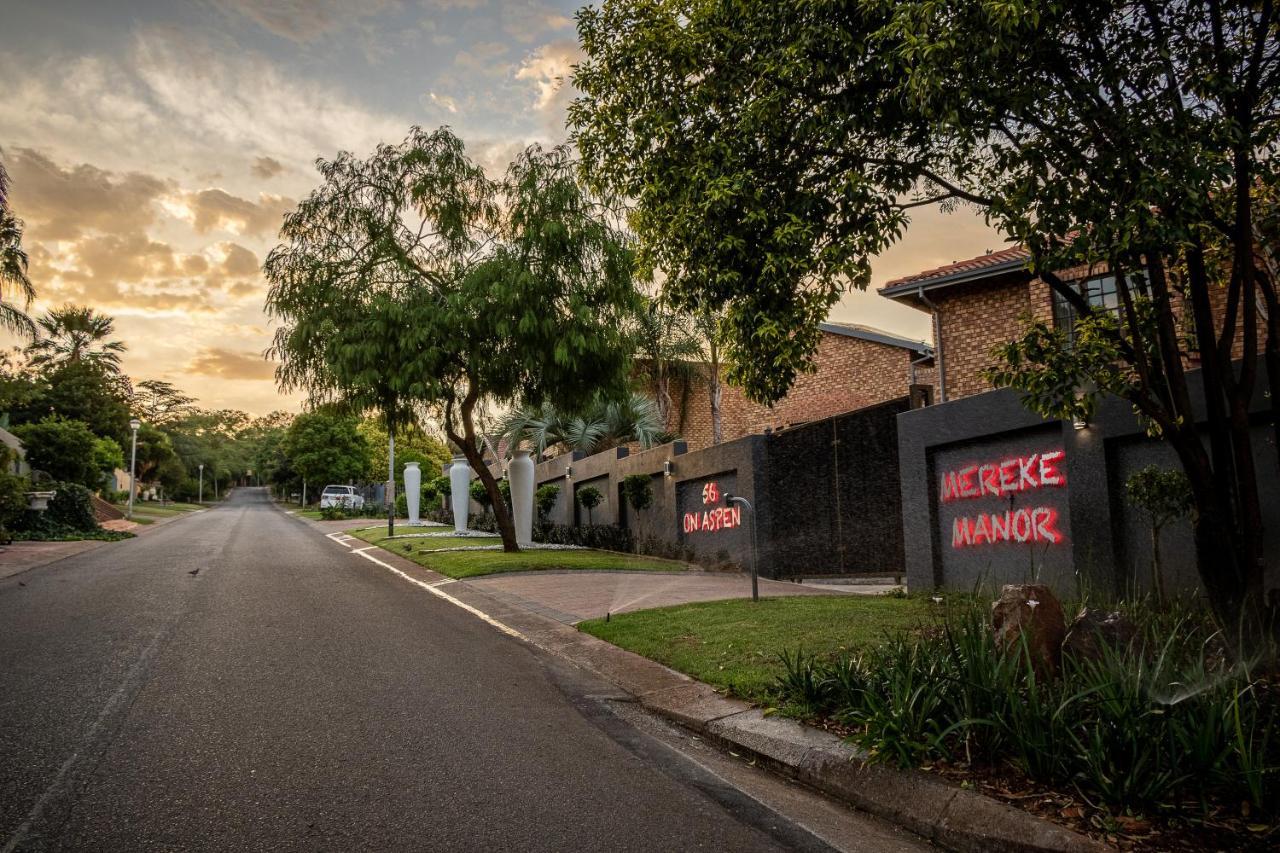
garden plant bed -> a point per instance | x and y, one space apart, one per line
789 655
455 563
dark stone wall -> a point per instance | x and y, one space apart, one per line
1106 547
834 495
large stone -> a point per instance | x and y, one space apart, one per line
1031 611
1093 629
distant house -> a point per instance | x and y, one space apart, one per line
18 464
856 366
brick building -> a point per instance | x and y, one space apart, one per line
856 366
988 300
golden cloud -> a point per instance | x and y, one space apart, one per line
266 168
216 208
64 203
239 262
231 364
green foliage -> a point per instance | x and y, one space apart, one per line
442 485
80 391
602 424
1163 493
157 402
63 449
521 292
13 499
588 498
326 447
1143 727
607 537
13 268
75 334
544 499
638 489
480 495
69 515
107 455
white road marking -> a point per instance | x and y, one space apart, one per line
431 588
332 538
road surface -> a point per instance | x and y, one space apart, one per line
232 681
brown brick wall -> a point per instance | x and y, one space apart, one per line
974 319
851 373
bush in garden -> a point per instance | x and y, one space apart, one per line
1149 726
607 537
1164 494
13 497
639 490
589 498
65 450
544 499
69 514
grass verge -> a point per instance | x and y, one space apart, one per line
735 644
468 564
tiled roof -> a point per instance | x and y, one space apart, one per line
870 333
991 262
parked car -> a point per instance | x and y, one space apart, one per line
341 496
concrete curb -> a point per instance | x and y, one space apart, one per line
932 808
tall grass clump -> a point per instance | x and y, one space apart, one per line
1165 721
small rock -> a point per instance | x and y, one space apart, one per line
1033 611
1092 629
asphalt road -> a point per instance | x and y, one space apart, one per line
232 681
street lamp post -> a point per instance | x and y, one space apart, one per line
200 498
133 463
755 553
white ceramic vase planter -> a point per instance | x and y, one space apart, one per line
520 473
412 490
460 492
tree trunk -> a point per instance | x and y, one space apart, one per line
467 441
1157 582
717 431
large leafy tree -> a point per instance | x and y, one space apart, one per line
73 334
81 391
772 148
411 279
159 402
326 447
14 280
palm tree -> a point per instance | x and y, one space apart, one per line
666 345
73 334
604 423
13 268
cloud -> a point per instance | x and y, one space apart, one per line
266 168
216 208
444 101
527 21
304 20
63 203
548 68
231 364
239 261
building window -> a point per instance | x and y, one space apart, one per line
1100 292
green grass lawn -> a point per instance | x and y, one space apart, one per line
467 564
735 644
146 512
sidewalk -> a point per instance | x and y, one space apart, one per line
934 809
572 596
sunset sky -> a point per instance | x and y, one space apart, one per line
154 147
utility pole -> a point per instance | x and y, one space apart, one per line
391 479
200 498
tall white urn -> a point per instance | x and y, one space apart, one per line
520 473
412 489
460 491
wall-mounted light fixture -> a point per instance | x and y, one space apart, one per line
667 468
568 472
1080 423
